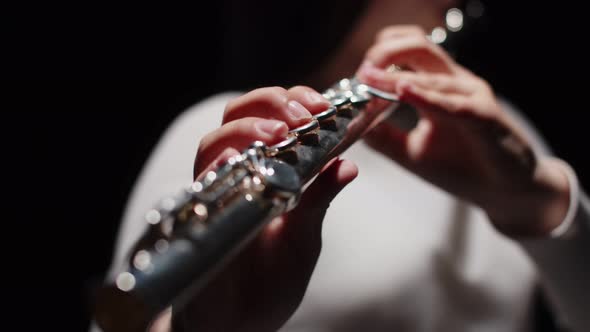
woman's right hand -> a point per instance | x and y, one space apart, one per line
464 142
261 288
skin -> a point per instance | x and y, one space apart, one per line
464 142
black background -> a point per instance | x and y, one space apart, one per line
88 87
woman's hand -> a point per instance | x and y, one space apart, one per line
261 288
464 142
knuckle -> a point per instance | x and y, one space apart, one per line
464 105
484 84
431 97
381 52
418 29
386 32
374 51
275 91
391 31
479 84
299 88
435 81
306 95
204 144
445 82
275 97
231 105
272 98
242 128
421 43
239 128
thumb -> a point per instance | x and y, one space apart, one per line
331 180
307 217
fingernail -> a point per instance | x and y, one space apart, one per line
314 97
297 111
271 127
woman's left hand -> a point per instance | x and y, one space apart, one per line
464 142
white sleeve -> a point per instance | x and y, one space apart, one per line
563 261
563 258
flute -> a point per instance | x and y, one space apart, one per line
192 235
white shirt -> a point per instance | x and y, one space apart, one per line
398 254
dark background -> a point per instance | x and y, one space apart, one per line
88 87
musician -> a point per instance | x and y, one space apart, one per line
450 225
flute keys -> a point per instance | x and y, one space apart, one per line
329 94
143 261
307 128
153 217
125 281
344 84
327 118
307 134
282 146
340 101
200 211
326 115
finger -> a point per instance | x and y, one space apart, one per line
428 100
438 82
312 100
219 160
303 224
397 31
414 52
330 181
238 134
267 103
406 148
381 79
293 242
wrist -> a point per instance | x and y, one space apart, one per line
552 175
538 209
